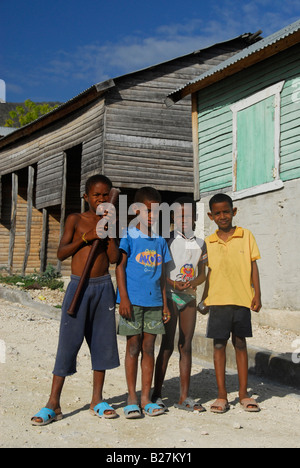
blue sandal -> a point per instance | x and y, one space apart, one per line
99 410
150 410
47 415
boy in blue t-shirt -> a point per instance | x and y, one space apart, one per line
142 298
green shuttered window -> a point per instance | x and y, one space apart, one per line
256 141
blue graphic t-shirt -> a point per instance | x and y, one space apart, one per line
145 257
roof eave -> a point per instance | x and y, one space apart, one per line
60 112
235 67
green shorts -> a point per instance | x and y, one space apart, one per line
143 319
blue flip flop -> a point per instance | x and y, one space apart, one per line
132 412
99 410
47 415
150 410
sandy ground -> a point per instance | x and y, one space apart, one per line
27 351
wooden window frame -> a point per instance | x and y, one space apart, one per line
274 90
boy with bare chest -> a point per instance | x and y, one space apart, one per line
94 317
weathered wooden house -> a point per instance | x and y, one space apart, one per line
246 127
120 128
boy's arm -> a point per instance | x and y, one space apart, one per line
113 251
201 269
125 307
166 311
68 247
201 275
206 287
256 301
177 285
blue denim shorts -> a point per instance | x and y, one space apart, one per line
94 320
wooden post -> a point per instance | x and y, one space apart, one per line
43 250
63 206
13 218
0 196
28 217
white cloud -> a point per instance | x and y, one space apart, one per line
95 62
268 15
91 63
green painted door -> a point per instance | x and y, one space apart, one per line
255 144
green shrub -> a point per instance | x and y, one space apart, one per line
48 279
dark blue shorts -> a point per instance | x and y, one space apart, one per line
227 319
95 321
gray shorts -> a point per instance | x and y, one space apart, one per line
94 320
227 319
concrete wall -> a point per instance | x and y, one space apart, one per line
275 222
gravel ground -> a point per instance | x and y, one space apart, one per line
27 352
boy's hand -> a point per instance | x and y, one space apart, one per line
180 285
125 308
106 225
166 315
91 235
193 284
256 304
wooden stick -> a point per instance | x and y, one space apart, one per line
113 197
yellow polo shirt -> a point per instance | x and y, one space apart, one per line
230 263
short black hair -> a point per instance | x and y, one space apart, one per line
147 193
187 200
95 179
220 198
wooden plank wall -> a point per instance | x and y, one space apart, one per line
147 143
82 125
92 158
49 181
47 149
17 238
290 120
33 262
53 231
215 119
5 224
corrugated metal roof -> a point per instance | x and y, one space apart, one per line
6 131
105 85
248 51
22 131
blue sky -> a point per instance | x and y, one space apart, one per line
52 50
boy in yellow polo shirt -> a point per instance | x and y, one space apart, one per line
233 288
